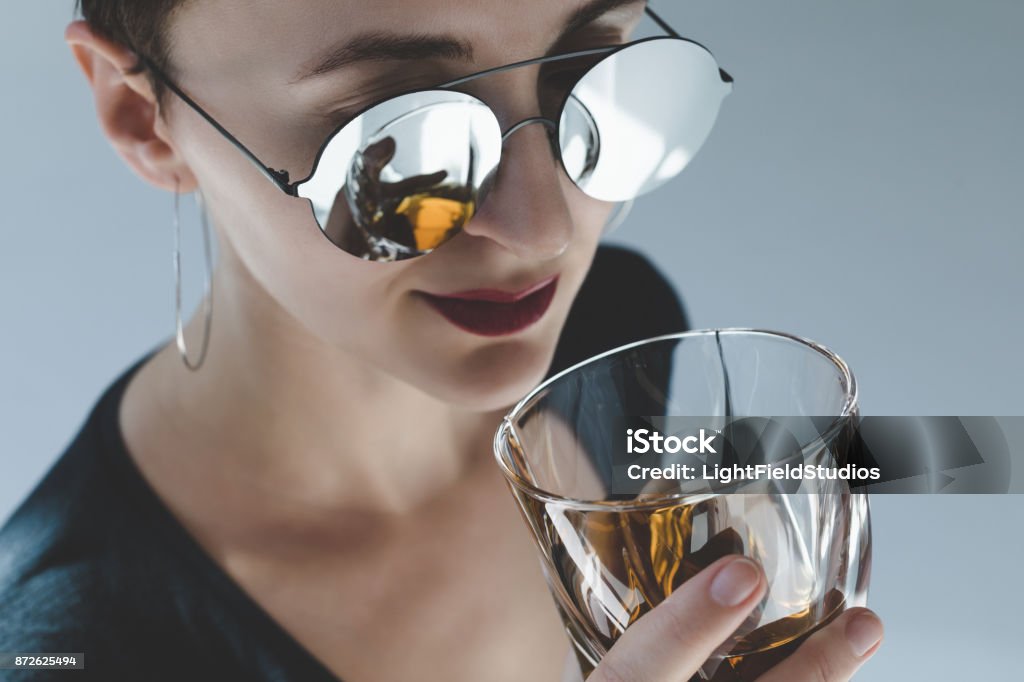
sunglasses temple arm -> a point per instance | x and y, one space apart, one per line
726 78
662 23
279 178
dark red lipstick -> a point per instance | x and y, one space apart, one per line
492 312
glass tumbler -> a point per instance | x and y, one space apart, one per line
613 548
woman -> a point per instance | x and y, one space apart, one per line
303 490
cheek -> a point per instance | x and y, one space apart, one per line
286 257
589 215
589 218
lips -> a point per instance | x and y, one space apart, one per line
492 312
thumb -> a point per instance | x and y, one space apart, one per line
681 633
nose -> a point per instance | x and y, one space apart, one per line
525 210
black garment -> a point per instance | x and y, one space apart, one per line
93 561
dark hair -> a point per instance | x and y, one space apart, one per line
139 25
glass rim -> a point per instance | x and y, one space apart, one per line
507 426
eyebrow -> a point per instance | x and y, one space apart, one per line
591 12
385 46
379 46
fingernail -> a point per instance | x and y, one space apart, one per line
864 632
735 582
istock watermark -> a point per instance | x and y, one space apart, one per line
696 455
642 441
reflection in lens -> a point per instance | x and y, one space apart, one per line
654 104
409 215
405 176
579 140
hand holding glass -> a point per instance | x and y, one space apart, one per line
611 557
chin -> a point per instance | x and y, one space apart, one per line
493 377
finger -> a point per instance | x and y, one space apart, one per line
834 653
378 154
676 637
411 185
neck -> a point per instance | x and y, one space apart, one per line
277 418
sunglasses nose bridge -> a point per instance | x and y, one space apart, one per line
550 126
546 122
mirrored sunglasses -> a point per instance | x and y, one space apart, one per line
407 173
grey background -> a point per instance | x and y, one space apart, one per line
863 188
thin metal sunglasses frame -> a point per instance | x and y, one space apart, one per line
281 178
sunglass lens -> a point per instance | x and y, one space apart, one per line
636 118
405 176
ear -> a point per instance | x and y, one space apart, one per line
128 110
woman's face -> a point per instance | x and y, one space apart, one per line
281 76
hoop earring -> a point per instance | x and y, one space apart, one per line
618 216
208 284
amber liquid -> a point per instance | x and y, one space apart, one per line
417 222
751 666
613 567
